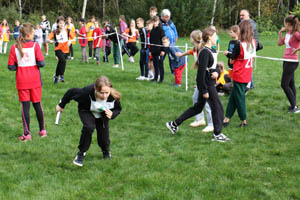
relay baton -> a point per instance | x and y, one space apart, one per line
57 118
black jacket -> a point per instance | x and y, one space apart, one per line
113 37
83 96
156 36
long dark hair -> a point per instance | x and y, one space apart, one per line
246 32
293 21
24 30
60 18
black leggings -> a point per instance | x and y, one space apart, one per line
159 67
215 105
26 116
71 53
89 124
133 49
91 43
61 65
288 81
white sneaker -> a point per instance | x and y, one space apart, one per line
140 78
72 58
198 123
208 129
220 138
115 66
90 58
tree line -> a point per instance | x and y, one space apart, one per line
187 15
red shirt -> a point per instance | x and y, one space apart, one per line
242 66
28 74
96 35
82 35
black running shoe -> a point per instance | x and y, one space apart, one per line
106 155
79 159
172 127
294 110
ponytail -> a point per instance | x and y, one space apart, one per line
24 30
293 21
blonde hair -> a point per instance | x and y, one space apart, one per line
104 81
24 30
221 66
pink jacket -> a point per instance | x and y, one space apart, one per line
294 43
7 31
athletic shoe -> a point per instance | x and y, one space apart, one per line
294 110
95 58
98 62
243 125
90 58
115 66
25 137
177 85
72 58
208 129
140 78
79 159
220 138
55 79
61 78
46 54
198 123
106 155
221 94
43 133
225 124
172 127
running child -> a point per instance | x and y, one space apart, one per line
97 34
26 58
62 39
177 62
98 103
83 40
206 79
196 40
291 40
144 52
242 60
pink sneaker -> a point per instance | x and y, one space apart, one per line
43 133
98 62
25 137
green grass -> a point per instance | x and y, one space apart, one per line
260 162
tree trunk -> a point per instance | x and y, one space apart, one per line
258 14
42 7
83 9
103 7
20 9
214 11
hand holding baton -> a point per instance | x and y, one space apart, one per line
58 110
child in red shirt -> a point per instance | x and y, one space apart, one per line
26 58
83 40
97 41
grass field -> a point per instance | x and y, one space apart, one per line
260 162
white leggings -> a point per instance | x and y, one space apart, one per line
5 46
207 108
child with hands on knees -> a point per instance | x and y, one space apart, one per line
98 103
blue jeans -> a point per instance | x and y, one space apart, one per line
144 56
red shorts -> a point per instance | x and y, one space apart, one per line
34 95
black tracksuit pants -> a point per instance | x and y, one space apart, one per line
288 81
90 123
215 105
61 65
159 67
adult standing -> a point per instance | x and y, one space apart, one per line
45 25
170 31
245 15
